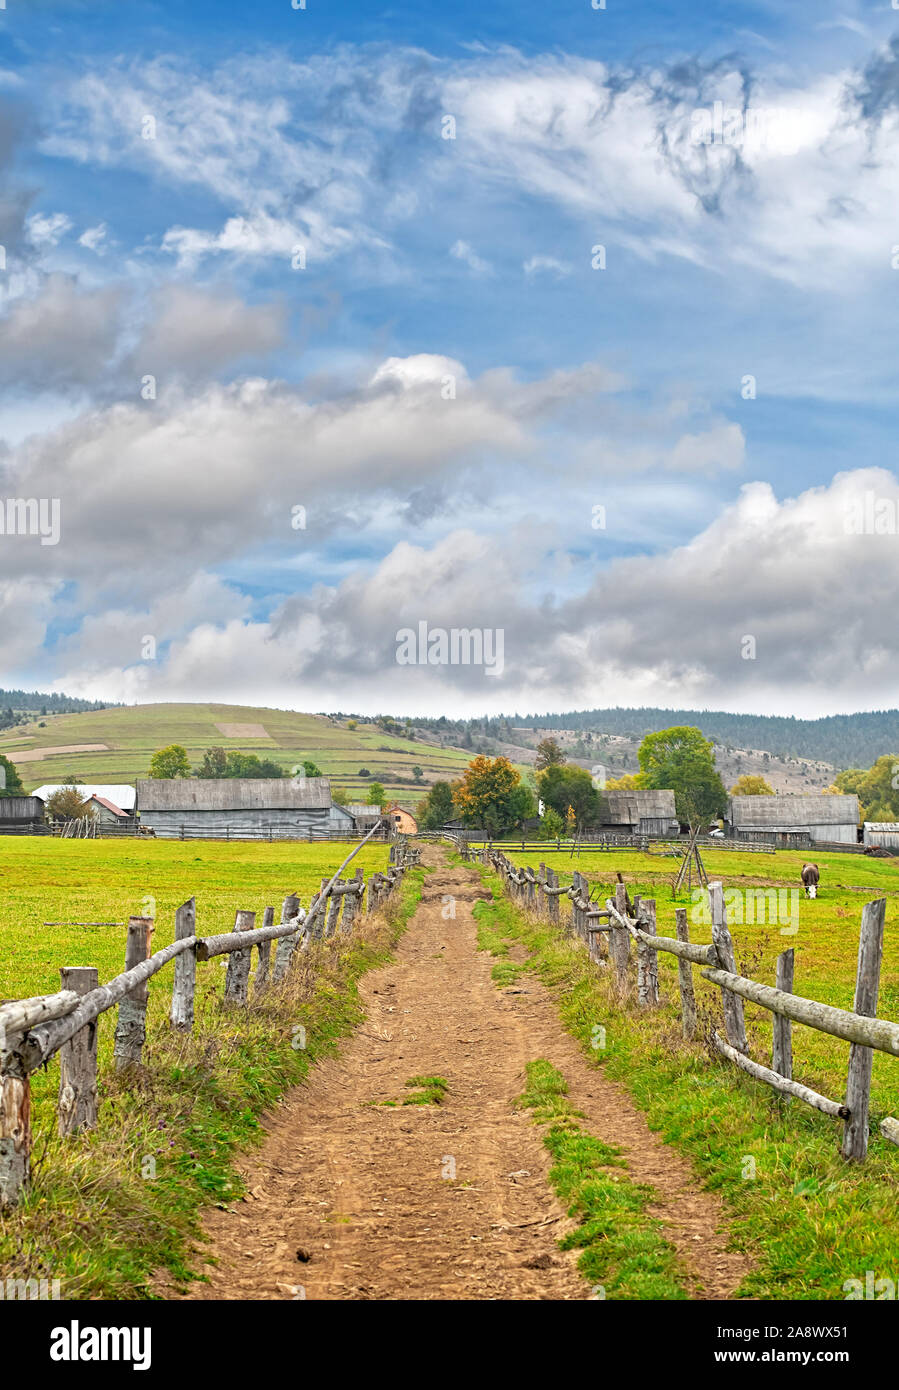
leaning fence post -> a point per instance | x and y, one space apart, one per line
237 979
77 1105
286 944
264 955
782 1044
685 977
734 1020
867 986
182 1012
334 907
131 1028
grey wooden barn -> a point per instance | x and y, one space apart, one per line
639 811
283 807
833 818
21 812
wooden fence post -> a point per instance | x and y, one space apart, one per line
77 1105
685 977
334 907
647 958
182 1012
734 1019
553 897
15 1135
867 986
131 1028
286 944
782 1031
620 941
264 955
237 979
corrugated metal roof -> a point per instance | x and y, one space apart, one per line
626 807
780 812
120 793
110 805
233 794
888 825
362 808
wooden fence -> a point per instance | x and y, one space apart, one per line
610 930
34 1030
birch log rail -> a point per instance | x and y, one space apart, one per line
859 1026
33 1030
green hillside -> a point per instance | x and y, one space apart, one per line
129 736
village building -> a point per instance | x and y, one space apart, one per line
788 819
21 814
638 811
121 794
402 819
255 807
881 834
365 817
342 819
107 812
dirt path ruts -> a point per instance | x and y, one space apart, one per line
439 1202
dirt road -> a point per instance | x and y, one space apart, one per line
352 1199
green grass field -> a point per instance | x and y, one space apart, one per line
809 1221
110 1207
132 734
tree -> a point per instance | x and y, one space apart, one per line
67 803
170 762
552 824
549 754
213 764
567 786
437 807
248 765
491 795
681 760
312 769
747 785
878 789
10 781
627 782
376 794
352 725
364 772
418 773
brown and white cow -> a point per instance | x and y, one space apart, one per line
810 880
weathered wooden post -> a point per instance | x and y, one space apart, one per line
237 977
620 941
553 898
131 1028
286 944
77 1105
318 909
334 908
541 896
264 955
685 977
867 987
782 1028
182 1011
647 956
732 1004
15 1135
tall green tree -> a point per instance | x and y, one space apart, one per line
376 795
549 754
437 807
491 795
213 764
566 785
681 760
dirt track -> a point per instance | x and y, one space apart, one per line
449 1201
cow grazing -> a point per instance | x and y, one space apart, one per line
810 880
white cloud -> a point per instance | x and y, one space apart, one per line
462 251
47 231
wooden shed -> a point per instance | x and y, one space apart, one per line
833 818
21 813
402 819
639 811
883 834
248 808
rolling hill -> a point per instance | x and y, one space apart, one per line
116 745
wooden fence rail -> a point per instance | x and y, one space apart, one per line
609 931
34 1030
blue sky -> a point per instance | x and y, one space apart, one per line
259 210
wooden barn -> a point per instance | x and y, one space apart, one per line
638 812
882 834
280 807
825 818
402 819
364 816
21 814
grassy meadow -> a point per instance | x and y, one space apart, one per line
809 1221
109 1208
129 736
